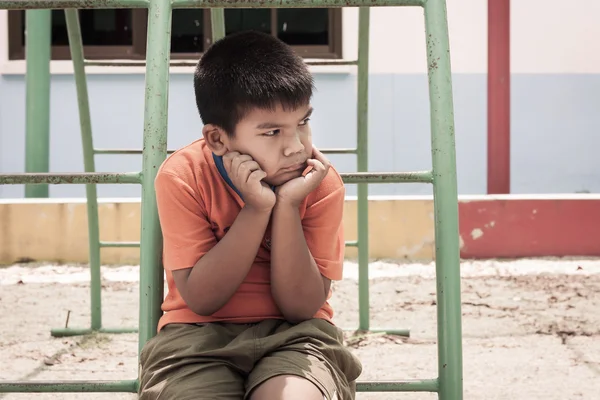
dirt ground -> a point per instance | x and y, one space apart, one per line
531 327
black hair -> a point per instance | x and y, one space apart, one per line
248 70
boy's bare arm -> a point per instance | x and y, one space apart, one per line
209 285
298 287
212 281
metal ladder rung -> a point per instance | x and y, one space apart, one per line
388 177
69 178
351 243
192 63
405 385
124 151
119 244
139 151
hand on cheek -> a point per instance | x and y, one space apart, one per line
246 175
295 190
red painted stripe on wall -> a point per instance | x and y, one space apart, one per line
508 228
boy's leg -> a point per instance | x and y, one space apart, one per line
303 361
188 361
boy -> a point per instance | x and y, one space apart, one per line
251 216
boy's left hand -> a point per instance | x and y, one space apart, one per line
295 190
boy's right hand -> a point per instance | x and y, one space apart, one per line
246 175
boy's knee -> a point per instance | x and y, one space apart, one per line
287 387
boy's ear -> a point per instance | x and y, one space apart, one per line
216 139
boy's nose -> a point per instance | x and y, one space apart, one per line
292 146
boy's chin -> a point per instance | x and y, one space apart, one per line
282 179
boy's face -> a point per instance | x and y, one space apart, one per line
279 141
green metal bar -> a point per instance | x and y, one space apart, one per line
391 331
155 152
104 4
64 332
85 122
37 82
171 151
352 243
190 63
120 244
217 21
129 386
124 151
362 146
445 194
425 385
339 151
73 179
293 3
135 177
62 4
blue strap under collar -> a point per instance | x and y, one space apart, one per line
223 172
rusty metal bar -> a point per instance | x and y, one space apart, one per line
77 178
129 386
139 151
388 177
294 3
423 385
100 4
63 4
192 63
119 244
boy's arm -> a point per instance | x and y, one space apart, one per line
206 272
307 254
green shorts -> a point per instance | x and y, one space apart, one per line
227 360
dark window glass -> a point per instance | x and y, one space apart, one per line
98 27
303 26
187 32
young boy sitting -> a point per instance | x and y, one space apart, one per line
251 216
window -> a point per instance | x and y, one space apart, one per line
121 33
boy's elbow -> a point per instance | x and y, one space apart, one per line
204 308
297 315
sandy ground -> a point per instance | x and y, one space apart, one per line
531 327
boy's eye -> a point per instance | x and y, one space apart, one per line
271 133
305 121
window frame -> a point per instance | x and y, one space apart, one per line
137 50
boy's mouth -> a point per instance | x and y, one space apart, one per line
294 167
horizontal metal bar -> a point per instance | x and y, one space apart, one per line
68 386
192 63
171 151
339 151
293 3
77 178
119 244
422 385
352 243
391 331
82 4
62 4
125 151
388 177
64 332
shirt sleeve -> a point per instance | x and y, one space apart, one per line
323 226
187 233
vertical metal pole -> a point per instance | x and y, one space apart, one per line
449 328
154 153
38 36
363 166
498 146
76 46
217 22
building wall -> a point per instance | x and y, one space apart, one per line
555 86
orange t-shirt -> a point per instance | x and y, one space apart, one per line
197 205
